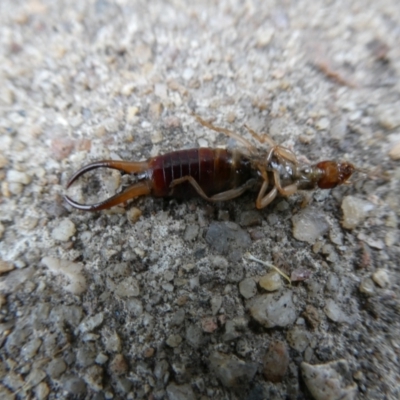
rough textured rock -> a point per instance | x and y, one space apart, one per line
276 362
230 370
273 309
331 381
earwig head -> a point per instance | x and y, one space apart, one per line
334 173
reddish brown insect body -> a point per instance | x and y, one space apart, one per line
215 170
220 174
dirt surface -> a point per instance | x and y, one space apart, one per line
159 300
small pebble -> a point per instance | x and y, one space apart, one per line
264 37
180 392
230 370
5 266
129 287
191 233
355 211
381 277
133 214
86 355
271 281
388 115
309 225
234 328
41 391
128 89
75 386
111 124
155 111
14 176
273 309
30 349
391 238
174 340
333 312
15 188
3 161
2 229
93 376
227 237
194 336
149 352
177 318
300 274
3 300
322 124
216 302
298 338
72 271
312 317
168 287
331 381
131 113
209 324
91 323
394 152
276 362
64 230
118 365
56 368
250 218
112 342
101 358
367 286
248 288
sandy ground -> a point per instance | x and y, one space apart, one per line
159 300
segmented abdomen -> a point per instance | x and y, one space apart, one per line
215 170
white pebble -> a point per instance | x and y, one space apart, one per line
309 225
367 286
329 381
18 177
133 214
128 89
101 358
355 210
394 152
381 277
68 269
64 230
91 323
129 287
333 312
322 124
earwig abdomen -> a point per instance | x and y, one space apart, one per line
215 170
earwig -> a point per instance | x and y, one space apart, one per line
221 174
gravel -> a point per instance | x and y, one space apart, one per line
157 298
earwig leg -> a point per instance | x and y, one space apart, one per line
280 151
284 191
261 138
223 196
286 154
262 200
123 166
136 190
227 132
